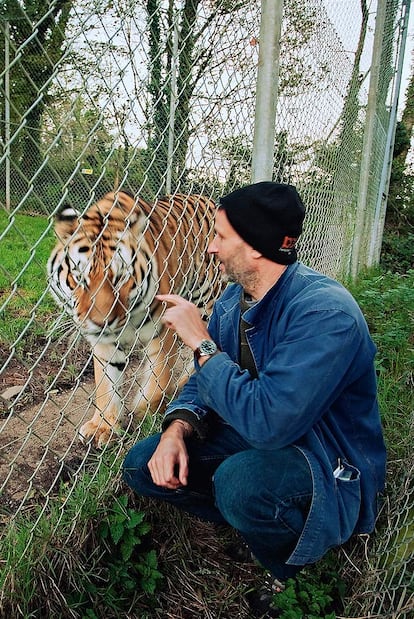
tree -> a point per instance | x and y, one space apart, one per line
399 215
407 118
209 40
37 38
190 63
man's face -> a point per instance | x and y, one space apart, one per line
234 254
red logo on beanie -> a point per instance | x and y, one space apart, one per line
288 243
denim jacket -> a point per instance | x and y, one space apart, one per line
316 389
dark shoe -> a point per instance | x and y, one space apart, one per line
239 552
261 601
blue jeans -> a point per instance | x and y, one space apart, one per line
265 495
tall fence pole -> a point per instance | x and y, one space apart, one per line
7 110
378 225
368 141
173 106
267 90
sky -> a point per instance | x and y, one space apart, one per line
346 16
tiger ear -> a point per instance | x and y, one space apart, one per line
135 207
66 222
125 201
138 221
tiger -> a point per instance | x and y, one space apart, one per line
105 271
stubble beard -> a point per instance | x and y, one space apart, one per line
248 280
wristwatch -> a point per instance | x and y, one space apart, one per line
205 349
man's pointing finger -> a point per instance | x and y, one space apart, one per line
174 299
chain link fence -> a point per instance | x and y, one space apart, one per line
159 97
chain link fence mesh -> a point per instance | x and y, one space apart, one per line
158 97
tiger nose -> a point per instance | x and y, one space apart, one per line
101 313
99 304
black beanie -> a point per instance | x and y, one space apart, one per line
268 216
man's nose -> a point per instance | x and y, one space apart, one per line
212 248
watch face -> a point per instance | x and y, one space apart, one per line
207 347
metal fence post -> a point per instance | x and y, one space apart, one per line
7 110
380 210
173 106
266 90
369 134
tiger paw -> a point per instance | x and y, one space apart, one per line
100 433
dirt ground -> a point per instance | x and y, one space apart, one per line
37 429
45 396
39 422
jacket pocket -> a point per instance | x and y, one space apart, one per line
348 489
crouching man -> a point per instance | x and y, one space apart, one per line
277 432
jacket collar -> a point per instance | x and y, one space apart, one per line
267 303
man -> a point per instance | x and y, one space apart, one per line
278 431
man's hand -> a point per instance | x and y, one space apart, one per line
169 463
185 319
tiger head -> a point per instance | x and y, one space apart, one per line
102 263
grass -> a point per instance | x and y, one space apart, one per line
25 243
387 300
47 562
58 559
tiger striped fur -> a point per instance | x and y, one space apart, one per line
105 270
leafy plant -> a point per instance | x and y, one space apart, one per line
122 531
397 250
121 571
314 594
99 567
124 526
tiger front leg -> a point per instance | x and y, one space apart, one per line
162 375
107 418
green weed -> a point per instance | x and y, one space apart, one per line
314 594
122 531
123 570
93 555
